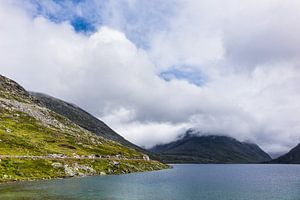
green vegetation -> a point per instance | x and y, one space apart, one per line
85 120
21 134
13 169
37 143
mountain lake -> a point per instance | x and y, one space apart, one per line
182 182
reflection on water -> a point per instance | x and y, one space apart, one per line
190 182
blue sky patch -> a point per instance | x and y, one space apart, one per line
82 25
192 76
138 20
61 10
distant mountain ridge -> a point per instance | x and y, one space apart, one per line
192 148
292 157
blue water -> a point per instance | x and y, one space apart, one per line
183 182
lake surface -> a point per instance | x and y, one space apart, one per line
183 182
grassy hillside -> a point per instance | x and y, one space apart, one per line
22 133
38 143
84 120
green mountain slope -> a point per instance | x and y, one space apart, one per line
292 157
210 149
36 143
83 119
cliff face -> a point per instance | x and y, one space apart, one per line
210 149
36 143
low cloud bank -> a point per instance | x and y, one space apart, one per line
250 64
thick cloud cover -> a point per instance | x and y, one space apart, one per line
247 54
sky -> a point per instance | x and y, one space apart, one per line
153 69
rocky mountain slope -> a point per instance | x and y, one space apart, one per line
37 143
192 148
292 157
83 119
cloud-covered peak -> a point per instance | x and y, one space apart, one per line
155 69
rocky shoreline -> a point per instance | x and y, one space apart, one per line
29 169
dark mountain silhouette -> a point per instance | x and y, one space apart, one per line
292 157
192 148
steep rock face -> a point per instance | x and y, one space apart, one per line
210 149
84 119
292 157
34 138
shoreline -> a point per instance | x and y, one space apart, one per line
32 169
76 177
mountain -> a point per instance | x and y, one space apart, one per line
38 143
292 157
83 119
192 148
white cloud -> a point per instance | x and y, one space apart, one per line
146 134
247 51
